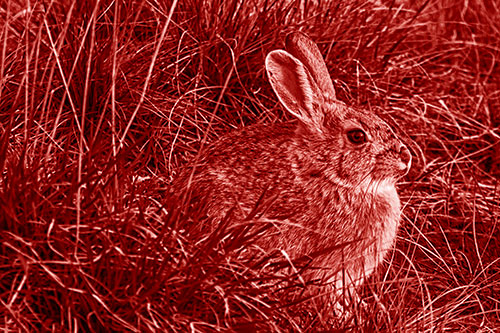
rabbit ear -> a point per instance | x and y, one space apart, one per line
295 88
304 49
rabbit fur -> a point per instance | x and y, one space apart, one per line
331 172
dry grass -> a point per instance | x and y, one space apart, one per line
101 102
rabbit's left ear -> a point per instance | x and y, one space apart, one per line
296 88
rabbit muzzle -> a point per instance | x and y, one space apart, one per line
405 158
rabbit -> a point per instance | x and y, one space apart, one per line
329 174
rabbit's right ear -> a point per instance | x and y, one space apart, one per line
295 87
304 49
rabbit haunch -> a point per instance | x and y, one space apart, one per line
327 193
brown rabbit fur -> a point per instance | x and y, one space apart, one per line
331 172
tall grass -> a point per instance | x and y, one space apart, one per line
101 103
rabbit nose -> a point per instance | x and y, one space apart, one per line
404 154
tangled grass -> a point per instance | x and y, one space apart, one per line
102 101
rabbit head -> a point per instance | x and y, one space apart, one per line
354 148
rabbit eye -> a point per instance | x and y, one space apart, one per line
356 136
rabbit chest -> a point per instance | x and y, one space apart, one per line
362 223
384 216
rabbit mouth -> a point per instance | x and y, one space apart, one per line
392 171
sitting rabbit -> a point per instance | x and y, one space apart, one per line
331 172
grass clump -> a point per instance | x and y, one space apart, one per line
103 101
